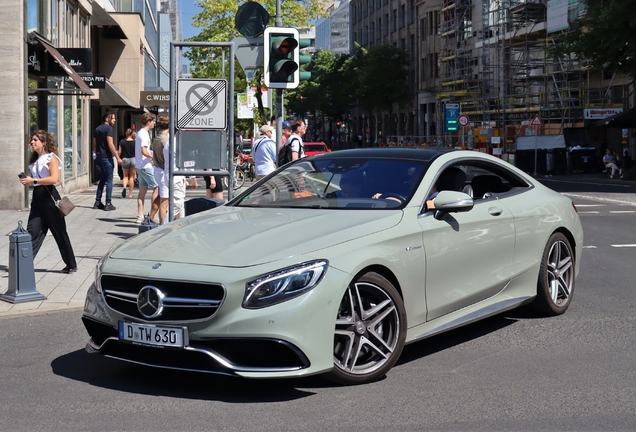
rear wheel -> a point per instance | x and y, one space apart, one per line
555 286
370 331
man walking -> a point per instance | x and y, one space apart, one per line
264 152
145 171
295 140
104 148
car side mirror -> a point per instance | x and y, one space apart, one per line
451 202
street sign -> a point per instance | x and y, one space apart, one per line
463 120
201 104
249 53
536 121
451 112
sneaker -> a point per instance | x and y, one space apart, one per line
109 207
611 176
621 175
123 193
67 270
98 205
139 220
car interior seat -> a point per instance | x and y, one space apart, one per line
451 179
486 184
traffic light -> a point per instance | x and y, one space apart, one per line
282 57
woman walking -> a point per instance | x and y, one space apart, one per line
45 170
127 155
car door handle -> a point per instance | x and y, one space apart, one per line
495 211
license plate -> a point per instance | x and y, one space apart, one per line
151 335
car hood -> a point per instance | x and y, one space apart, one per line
242 237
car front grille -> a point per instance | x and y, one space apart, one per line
182 300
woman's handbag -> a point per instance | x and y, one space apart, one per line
65 206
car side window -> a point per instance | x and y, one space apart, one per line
486 180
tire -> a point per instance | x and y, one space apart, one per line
555 287
370 331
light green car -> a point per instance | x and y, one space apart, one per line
333 263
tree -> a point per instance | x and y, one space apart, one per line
382 76
605 36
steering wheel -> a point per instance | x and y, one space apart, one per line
393 195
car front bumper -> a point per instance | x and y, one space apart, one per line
293 338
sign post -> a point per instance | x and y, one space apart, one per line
535 123
463 121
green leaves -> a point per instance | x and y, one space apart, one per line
605 36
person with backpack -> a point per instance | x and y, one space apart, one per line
264 152
294 147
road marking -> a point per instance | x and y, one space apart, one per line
590 205
625 246
588 183
589 212
593 198
622 211
589 247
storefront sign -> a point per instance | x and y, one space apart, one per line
154 98
97 81
78 58
600 113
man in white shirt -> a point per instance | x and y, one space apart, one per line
145 170
264 152
298 128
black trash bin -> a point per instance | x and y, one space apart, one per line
557 161
583 160
196 205
524 160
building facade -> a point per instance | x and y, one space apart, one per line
492 58
67 62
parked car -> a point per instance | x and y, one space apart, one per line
331 264
314 148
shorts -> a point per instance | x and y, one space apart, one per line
146 177
219 183
164 191
128 163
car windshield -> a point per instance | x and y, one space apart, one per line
338 183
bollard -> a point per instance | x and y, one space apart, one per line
21 273
147 224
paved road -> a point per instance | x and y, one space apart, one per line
511 372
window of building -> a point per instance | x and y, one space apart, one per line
402 16
395 20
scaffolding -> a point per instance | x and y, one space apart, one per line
502 71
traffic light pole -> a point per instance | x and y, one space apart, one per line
279 93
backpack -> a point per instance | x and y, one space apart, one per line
285 154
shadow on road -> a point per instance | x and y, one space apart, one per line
131 378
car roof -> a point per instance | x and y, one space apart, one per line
425 155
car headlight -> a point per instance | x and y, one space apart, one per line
284 284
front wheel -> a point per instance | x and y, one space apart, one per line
555 286
370 331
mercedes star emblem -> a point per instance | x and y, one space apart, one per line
150 301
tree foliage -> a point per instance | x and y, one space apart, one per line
605 36
216 24
375 78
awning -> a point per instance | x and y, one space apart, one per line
625 119
59 58
101 18
111 96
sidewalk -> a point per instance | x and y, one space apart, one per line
92 233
